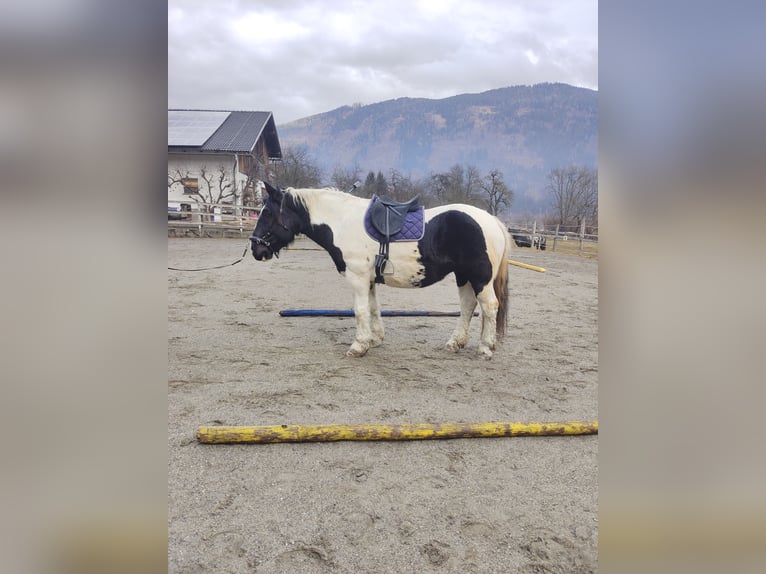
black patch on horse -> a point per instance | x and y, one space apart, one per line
320 234
454 242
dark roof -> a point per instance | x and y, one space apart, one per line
215 130
238 132
193 127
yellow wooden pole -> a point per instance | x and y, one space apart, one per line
526 266
424 431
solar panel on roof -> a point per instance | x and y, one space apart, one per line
193 128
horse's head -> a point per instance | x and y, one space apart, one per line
277 225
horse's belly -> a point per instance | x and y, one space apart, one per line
407 267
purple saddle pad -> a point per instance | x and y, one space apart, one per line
412 229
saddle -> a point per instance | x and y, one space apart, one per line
387 217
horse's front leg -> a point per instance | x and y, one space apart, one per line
362 307
376 322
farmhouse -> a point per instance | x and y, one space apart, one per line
217 157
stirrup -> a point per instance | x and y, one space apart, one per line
381 263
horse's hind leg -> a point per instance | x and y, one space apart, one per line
459 336
489 306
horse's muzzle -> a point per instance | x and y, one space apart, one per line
261 252
261 248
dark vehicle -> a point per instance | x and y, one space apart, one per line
179 211
522 240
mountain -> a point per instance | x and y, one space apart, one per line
524 131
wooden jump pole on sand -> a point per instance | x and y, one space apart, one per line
376 432
526 266
350 313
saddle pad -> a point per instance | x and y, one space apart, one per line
412 230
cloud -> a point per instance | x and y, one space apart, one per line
299 58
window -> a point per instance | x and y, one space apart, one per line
191 186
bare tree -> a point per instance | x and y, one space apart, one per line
574 193
178 177
381 184
368 187
472 188
589 203
256 173
297 169
399 186
458 185
497 193
394 190
403 187
343 178
219 186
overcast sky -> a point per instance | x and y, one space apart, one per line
298 58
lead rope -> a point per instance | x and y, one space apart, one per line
216 267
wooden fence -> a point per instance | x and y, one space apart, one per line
211 220
566 239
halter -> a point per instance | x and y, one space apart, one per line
269 236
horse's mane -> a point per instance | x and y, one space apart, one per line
310 197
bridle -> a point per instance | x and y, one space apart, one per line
269 237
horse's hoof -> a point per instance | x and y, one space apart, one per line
454 345
376 342
355 351
486 352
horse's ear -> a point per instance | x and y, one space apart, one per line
273 192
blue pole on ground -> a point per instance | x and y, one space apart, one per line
350 313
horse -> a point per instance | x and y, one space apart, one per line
456 238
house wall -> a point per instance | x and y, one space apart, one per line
191 165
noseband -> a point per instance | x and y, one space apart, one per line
261 240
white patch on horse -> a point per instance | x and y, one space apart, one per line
404 268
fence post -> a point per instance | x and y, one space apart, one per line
534 233
582 234
556 237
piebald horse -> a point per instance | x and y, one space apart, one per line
459 239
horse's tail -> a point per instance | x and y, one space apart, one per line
500 283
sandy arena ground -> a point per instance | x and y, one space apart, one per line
498 505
